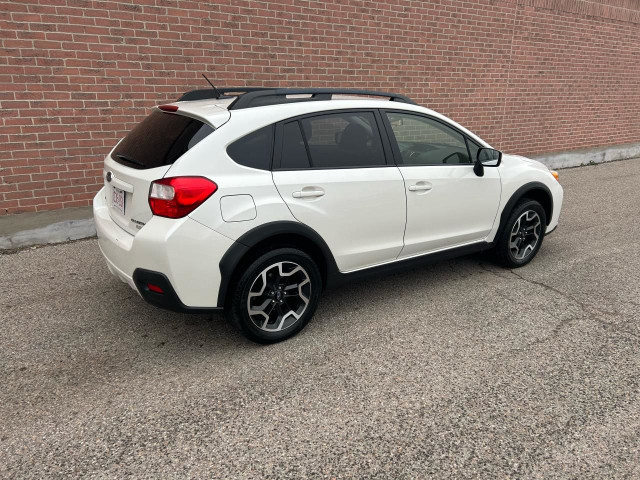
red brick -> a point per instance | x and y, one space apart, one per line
80 77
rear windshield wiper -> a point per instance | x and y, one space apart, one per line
129 159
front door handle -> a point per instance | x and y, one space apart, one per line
420 187
309 193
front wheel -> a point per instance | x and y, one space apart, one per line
523 234
276 296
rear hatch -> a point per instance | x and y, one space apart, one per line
145 155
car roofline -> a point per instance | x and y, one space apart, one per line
249 97
215 110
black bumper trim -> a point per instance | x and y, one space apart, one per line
168 300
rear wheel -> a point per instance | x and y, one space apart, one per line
276 296
523 234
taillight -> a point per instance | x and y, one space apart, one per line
168 108
176 197
155 288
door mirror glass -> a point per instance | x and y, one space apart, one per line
489 157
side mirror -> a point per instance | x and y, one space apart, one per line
487 157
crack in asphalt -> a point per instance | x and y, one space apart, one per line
590 311
587 311
565 295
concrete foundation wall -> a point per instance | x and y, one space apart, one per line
590 156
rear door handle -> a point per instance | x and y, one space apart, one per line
120 184
420 187
309 193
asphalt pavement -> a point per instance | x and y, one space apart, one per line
459 369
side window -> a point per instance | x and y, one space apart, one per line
294 152
342 140
473 149
424 141
253 150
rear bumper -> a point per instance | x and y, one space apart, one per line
167 298
182 250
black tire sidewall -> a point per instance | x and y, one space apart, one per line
502 249
238 311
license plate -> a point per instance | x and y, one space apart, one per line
117 200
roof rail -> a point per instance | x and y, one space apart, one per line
259 96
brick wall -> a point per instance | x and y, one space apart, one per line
530 76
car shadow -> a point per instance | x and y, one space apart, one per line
158 328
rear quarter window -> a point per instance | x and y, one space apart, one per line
253 150
160 139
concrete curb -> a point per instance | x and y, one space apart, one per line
54 233
590 156
73 224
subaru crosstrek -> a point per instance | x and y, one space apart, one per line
255 200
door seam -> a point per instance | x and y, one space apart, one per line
406 212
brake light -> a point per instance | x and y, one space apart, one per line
176 197
168 108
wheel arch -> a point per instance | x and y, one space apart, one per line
535 191
266 237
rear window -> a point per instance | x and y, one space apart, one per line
160 139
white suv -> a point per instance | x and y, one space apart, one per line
255 200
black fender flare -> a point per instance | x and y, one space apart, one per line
516 197
234 255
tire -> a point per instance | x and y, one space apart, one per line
529 221
284 304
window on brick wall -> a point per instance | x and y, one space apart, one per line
425 141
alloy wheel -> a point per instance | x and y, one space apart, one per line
525 235
279 296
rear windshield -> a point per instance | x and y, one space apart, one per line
160 139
